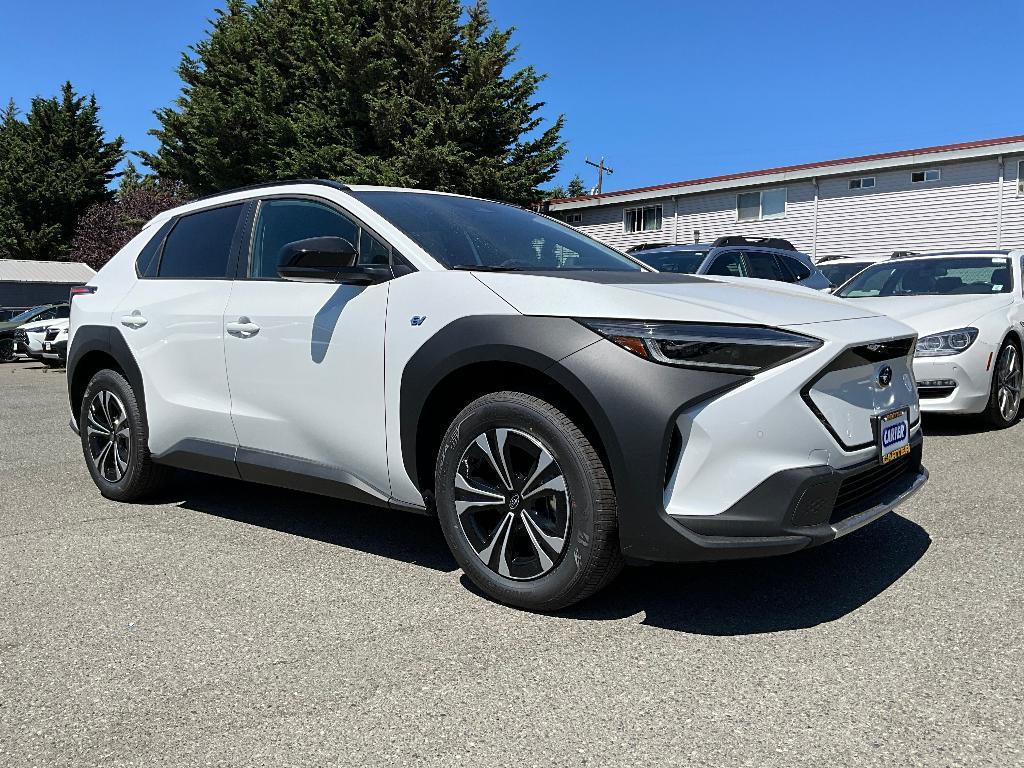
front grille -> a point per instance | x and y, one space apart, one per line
51 334
857 491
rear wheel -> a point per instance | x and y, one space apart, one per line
115 440
1004 399
526 504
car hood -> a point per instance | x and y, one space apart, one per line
931 314
41 325
661 296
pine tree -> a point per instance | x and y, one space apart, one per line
399 92
576 187
53 165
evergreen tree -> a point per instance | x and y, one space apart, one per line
576 187
53 165
401 92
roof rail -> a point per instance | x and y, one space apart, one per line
646 247
278 183
764 242
903 254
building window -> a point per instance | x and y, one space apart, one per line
766 204
1020 177
574 218
919 177
646 219
864 182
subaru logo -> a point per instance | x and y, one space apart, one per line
884 376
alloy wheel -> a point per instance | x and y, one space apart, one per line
109 434
512 502
1008 382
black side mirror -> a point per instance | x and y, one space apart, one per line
327 260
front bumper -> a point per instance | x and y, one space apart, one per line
971 375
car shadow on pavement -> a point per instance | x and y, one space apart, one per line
404 536
941 424
767 595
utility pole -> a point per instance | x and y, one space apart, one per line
602 169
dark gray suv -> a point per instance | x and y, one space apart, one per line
767 258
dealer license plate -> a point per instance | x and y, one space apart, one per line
893 435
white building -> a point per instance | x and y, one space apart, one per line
968 195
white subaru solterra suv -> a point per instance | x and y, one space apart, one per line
560 407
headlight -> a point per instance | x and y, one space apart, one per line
946 343
722 348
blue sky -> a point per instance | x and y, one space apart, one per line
665 90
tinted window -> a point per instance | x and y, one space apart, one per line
799 270
686 262
148 259
284 221
764 266
478 234
728 265
960 275
372 250
839 272
27 315
200 244
64 311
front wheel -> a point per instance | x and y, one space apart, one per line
526 503
1004 398
6 350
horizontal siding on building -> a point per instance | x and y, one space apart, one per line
961 210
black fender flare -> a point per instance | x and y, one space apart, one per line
108 340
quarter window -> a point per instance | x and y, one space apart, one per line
764 266
798 269
765 204
284 221
646 219
728 265
864 182
919 177
200 244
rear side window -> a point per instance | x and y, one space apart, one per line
764 266
63 311
800 272
200 244
149 256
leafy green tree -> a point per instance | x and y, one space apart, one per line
53 165
419 93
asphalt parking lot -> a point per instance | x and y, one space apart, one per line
231 624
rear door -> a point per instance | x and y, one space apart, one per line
306 359
765 265
173 321
728 264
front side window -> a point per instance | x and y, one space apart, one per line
199 246
947 276
466 233
646 219
765 204
728 265
285 221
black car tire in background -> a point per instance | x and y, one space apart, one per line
6 350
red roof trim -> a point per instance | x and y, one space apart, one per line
802 167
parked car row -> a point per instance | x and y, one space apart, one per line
40 333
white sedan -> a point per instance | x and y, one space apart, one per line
968 310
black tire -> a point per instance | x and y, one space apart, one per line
1003 409
109 401
568 549
6 350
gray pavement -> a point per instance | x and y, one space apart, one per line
231 624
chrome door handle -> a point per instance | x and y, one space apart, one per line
243 328
134 320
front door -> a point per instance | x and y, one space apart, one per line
305 361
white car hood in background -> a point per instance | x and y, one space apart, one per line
42 325
932 314
693 299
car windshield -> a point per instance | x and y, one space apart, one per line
686 262
953 275
839 272
27 314
464 233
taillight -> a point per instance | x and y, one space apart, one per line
82 290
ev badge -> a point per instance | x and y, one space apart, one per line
417 320
884 376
